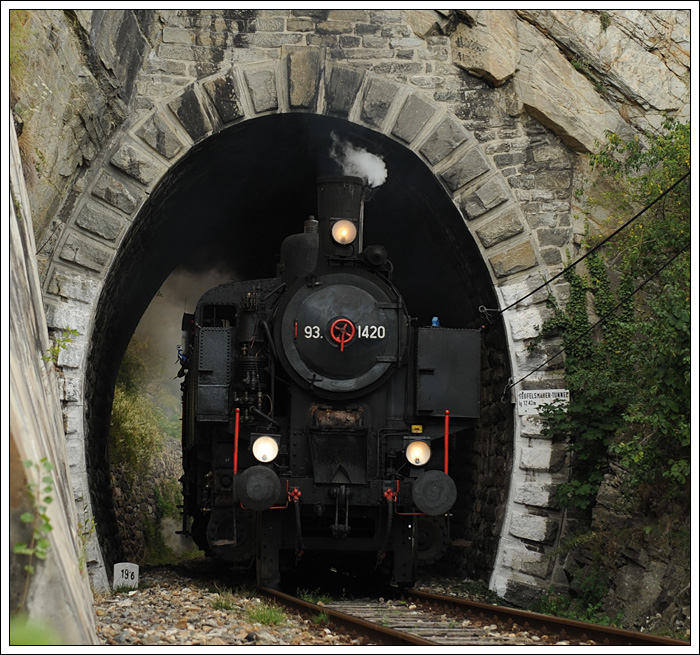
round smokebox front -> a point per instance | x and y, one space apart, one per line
341 336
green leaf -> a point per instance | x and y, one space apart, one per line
26 517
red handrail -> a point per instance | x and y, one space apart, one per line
235 442
447 437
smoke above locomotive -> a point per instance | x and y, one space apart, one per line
318 418
358 162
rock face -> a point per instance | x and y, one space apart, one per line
560 97
73 96
644 57
485 44
142 501
641 561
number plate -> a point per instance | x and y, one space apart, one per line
126 574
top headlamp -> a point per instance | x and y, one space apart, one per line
344 232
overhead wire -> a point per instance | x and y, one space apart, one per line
589 252
602 319
605 316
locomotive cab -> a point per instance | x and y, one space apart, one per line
316 416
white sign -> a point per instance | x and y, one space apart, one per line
530 401
126 574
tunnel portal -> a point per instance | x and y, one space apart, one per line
229 204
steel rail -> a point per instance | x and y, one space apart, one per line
554 625
378 633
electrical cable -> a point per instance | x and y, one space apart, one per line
602 319
590 252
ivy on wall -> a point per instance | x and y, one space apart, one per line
626 327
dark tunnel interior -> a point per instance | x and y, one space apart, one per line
244 190
231 201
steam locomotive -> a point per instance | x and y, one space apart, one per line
317 417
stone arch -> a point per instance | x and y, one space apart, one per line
144 156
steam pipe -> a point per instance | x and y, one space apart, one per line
255 410
273 359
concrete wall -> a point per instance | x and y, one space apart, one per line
57 596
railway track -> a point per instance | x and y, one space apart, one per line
420 618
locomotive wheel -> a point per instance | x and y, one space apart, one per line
199 534
236 546
433 539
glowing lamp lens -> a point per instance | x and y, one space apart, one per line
418 453
344 232
265 449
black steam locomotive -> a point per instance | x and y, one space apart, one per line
316 416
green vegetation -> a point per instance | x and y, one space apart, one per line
626 333
316 596
321 619
19 34
40 494
85 532
167 498
267 614
590 583
579 610
262 612
25 632
629 372
58 344
134 431
144 415
225 600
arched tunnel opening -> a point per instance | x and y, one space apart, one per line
228 204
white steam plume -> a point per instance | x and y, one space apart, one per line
358 162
